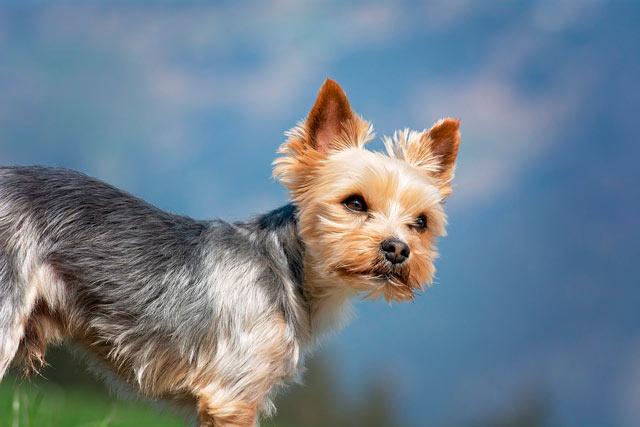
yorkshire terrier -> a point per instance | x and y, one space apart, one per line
219 314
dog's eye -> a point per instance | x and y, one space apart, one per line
355 203
420 223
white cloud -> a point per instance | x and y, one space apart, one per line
503 127
291 41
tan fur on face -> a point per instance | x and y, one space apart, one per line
412 180
347 244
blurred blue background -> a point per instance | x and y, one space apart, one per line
537 297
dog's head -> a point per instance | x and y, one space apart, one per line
368 220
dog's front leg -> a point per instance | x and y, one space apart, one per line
217 410
264 357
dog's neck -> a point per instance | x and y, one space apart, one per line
327 300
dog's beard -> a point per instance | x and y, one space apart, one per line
381 279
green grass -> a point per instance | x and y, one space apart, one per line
46 405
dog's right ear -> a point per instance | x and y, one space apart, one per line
326 121
330 126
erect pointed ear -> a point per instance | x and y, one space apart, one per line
329 115
442 142
330 126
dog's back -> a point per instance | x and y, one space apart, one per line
67 240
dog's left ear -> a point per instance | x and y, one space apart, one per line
438 152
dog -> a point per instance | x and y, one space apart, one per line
215 314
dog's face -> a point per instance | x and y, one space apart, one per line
368 220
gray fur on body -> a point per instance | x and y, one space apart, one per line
142 288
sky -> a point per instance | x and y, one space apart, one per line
537 292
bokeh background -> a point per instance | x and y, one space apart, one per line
534 319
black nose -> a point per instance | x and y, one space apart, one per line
395 250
